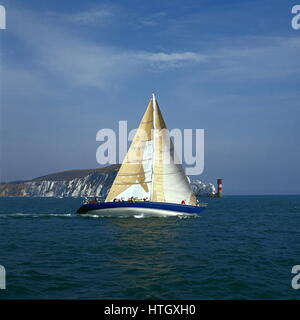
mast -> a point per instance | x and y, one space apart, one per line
153 143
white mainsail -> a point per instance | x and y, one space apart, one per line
150 169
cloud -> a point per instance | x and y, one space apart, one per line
152 20
161 61
149 22
173 57
82 62
94 17
258 58
57 53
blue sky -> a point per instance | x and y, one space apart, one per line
70 68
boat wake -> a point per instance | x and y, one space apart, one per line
139 216
35 215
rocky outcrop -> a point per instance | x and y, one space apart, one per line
202 189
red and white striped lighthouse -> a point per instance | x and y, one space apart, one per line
220 188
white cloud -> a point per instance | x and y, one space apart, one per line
94 17
160 61
81 62
173 57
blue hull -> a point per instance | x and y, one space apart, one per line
153 208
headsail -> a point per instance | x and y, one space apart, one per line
170 183
150 168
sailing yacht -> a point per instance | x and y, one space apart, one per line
150 180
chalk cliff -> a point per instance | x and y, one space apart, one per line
79 183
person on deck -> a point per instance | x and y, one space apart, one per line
94 200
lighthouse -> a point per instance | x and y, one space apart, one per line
220 188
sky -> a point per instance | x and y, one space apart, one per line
70 68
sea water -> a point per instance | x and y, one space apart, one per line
241 247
